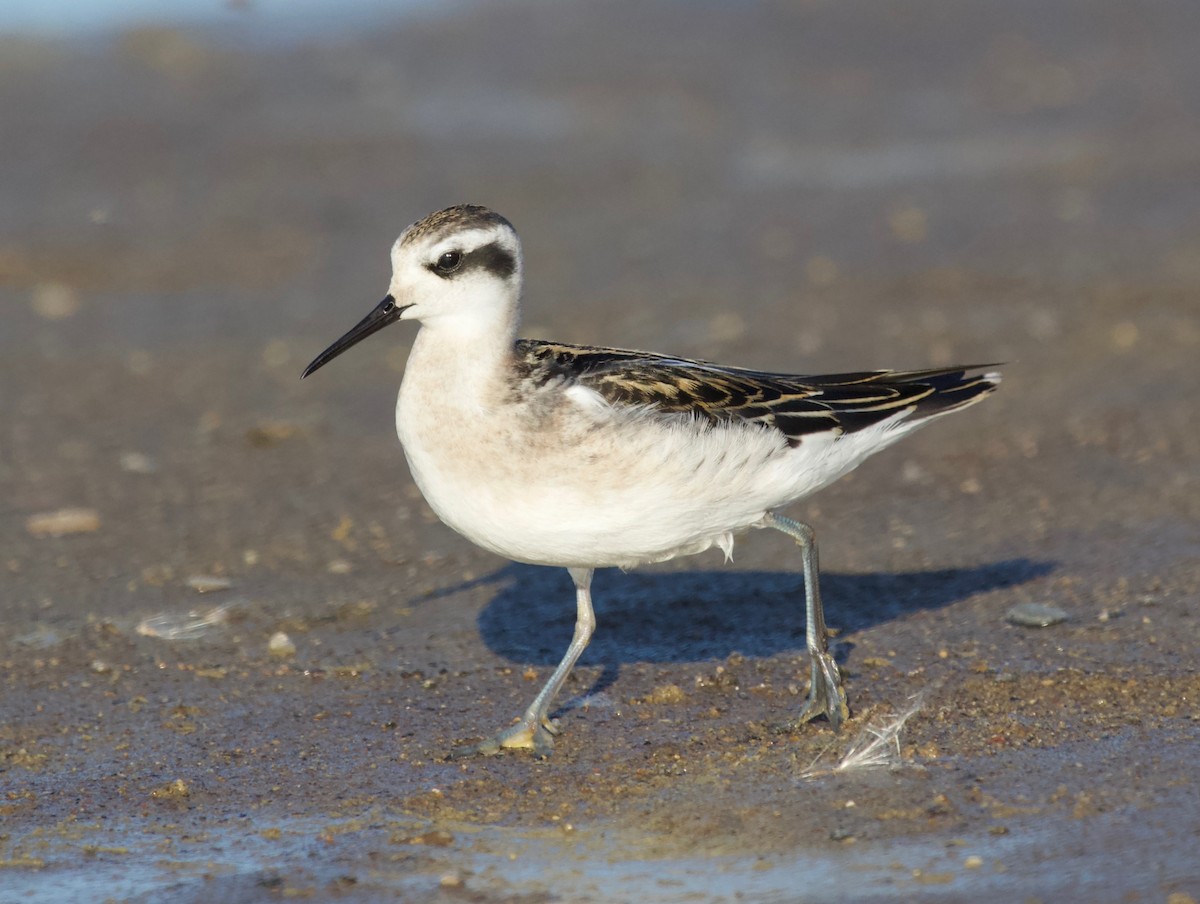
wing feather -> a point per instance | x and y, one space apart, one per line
795 405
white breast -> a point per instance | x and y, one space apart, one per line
572 481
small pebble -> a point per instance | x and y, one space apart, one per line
1035 615
137 463
54 301
186 626
281 645
62 522
172 790
666 693
1124 335
270 433
433 838
973 862
208 583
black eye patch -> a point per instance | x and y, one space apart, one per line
494 258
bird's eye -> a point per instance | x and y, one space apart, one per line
449 262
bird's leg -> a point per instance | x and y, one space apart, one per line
825 694
535 730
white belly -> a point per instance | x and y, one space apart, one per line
590 489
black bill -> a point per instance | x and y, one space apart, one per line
387 311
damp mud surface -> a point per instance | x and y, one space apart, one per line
235 644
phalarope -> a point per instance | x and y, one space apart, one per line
586 457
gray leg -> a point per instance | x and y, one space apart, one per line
826 696
535 730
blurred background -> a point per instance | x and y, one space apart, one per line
196 198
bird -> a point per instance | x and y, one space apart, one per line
587 457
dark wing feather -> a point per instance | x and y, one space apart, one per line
793 405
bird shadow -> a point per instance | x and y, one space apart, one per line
688 616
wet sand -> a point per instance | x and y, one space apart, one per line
188 219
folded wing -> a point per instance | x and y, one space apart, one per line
794 405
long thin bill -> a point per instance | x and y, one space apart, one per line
387 311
